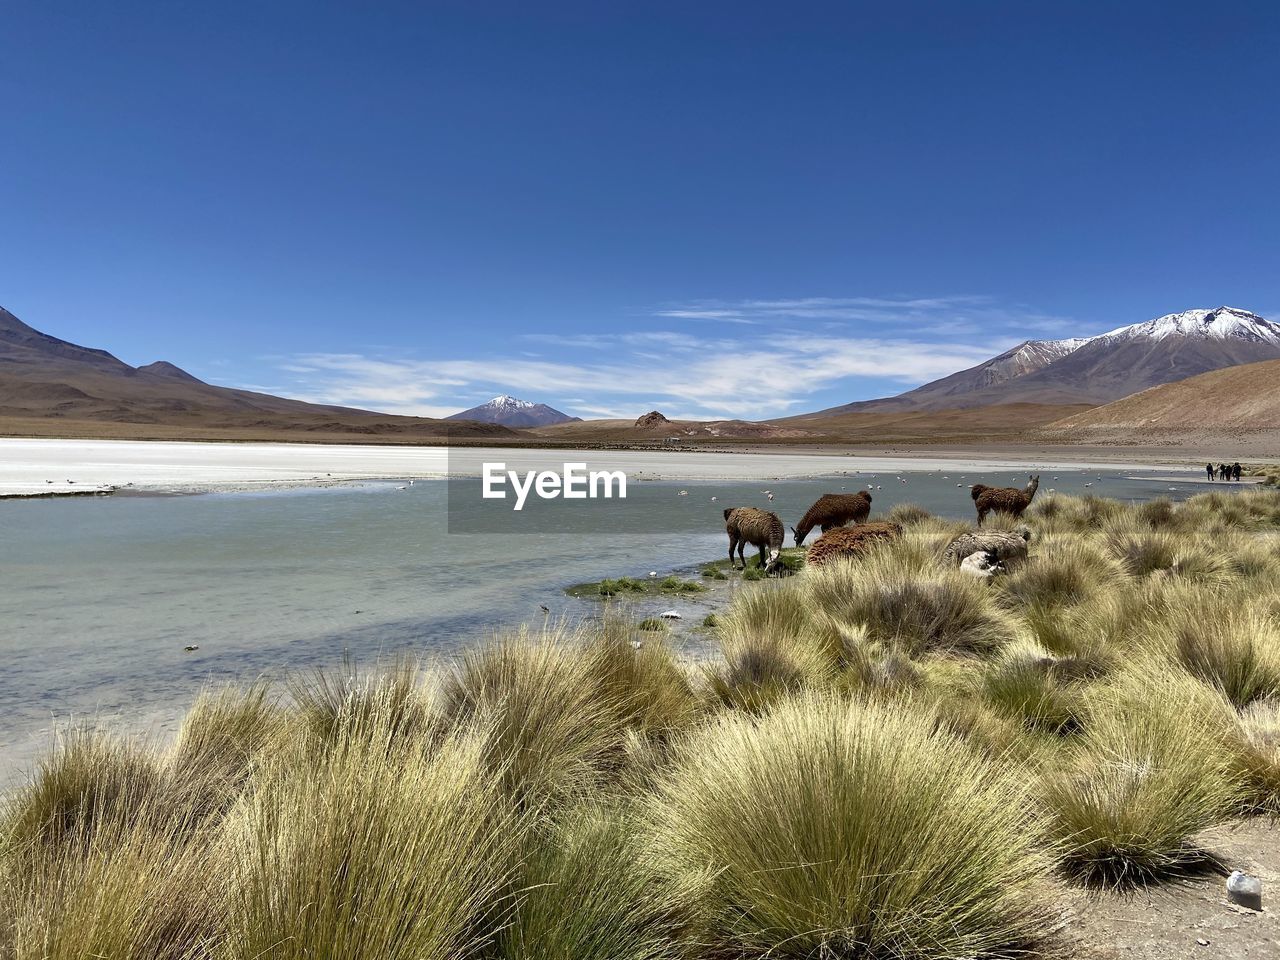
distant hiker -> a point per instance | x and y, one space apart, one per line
1224 472
1208 468
1235 472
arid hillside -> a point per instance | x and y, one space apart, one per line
49 387
1005 422
1240 404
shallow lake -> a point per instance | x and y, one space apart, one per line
99 596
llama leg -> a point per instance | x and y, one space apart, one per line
733 543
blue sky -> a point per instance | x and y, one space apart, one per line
737 209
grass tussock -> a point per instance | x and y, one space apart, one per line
1226 643
886 759
552 733
585 889
428 863
1149 772
943 611
835 828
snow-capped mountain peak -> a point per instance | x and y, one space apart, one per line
514 412
1222 323
505 402
1027 357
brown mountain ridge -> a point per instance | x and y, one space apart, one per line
52 387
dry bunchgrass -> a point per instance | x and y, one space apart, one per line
1222 639
377 852
1258 756
908 514
333 704
838 828
1061 571
1151 769
649 691
936 610
224 735
586 889
554 731
91 782
1039 690
136 887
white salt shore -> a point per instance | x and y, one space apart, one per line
46 467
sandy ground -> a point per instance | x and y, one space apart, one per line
46 467
1176 921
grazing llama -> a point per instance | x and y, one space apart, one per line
833 510
1004 499
760 528
844 542
1007 546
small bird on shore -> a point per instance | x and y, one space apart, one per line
544 608
191 647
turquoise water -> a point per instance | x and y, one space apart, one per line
99 596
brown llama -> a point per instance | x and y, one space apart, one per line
760 528
833 510
844 542
1004 499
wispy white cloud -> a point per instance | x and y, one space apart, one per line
957 315
712 377
777 355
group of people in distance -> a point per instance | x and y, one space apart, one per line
1223 471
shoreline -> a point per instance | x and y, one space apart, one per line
47 468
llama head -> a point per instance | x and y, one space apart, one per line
1035 482
775 555
799 536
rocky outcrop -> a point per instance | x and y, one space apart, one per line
651 419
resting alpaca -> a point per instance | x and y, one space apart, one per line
833 510
760 528
1008 546
845 542
1005 499
984 565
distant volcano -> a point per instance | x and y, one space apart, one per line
511 412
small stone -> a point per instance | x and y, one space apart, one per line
1202 941
190 647
670 615
1244 890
